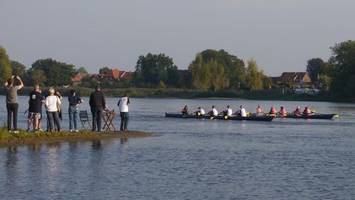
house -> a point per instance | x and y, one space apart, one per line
113 74
293 80
77 78
124 75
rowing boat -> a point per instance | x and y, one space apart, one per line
314 116
249 118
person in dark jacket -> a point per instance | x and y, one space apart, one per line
74 101
97 105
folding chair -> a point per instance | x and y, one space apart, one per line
109 117
84 119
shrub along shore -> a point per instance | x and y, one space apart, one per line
29 138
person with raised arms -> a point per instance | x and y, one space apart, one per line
11 102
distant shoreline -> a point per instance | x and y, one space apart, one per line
275 94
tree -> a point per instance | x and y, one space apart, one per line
5 66
55 73
154 68
343 64
18 68
254 77
316 67
81 70
37 76
211 66
104 70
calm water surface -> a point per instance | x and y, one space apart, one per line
192 159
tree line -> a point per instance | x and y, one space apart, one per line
212 70
337 74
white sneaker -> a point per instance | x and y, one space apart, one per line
76 131
16 131
71 130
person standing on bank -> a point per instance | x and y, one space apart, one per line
53 104
11 102
74 101
97 105
123 105
35 108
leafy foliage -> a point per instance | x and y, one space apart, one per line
217 70
152 70
55 73
343 63
5 66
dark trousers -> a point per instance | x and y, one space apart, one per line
12 110
96 118
73 111
124 121
53 119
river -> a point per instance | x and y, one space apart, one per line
191 158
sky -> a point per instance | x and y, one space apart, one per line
281 35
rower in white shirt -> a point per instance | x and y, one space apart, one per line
200 111
213 112
229 111
241 112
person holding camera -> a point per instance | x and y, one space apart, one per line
11 102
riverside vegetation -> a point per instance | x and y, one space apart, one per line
213 73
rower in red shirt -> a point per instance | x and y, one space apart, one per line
282 112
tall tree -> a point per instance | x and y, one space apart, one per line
55 73
155 69
18 68
210 65
254 77
5 66
315 67
343 62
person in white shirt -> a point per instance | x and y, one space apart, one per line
213 112
123 106
228 112
200 111
243 112
52 104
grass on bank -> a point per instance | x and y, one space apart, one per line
24 137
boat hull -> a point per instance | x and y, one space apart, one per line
249 118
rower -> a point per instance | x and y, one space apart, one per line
200 111
213 112
228 112
307 111
259 111
282 112
297 112
273 111
241 112
185 110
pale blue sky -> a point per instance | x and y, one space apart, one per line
280 34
